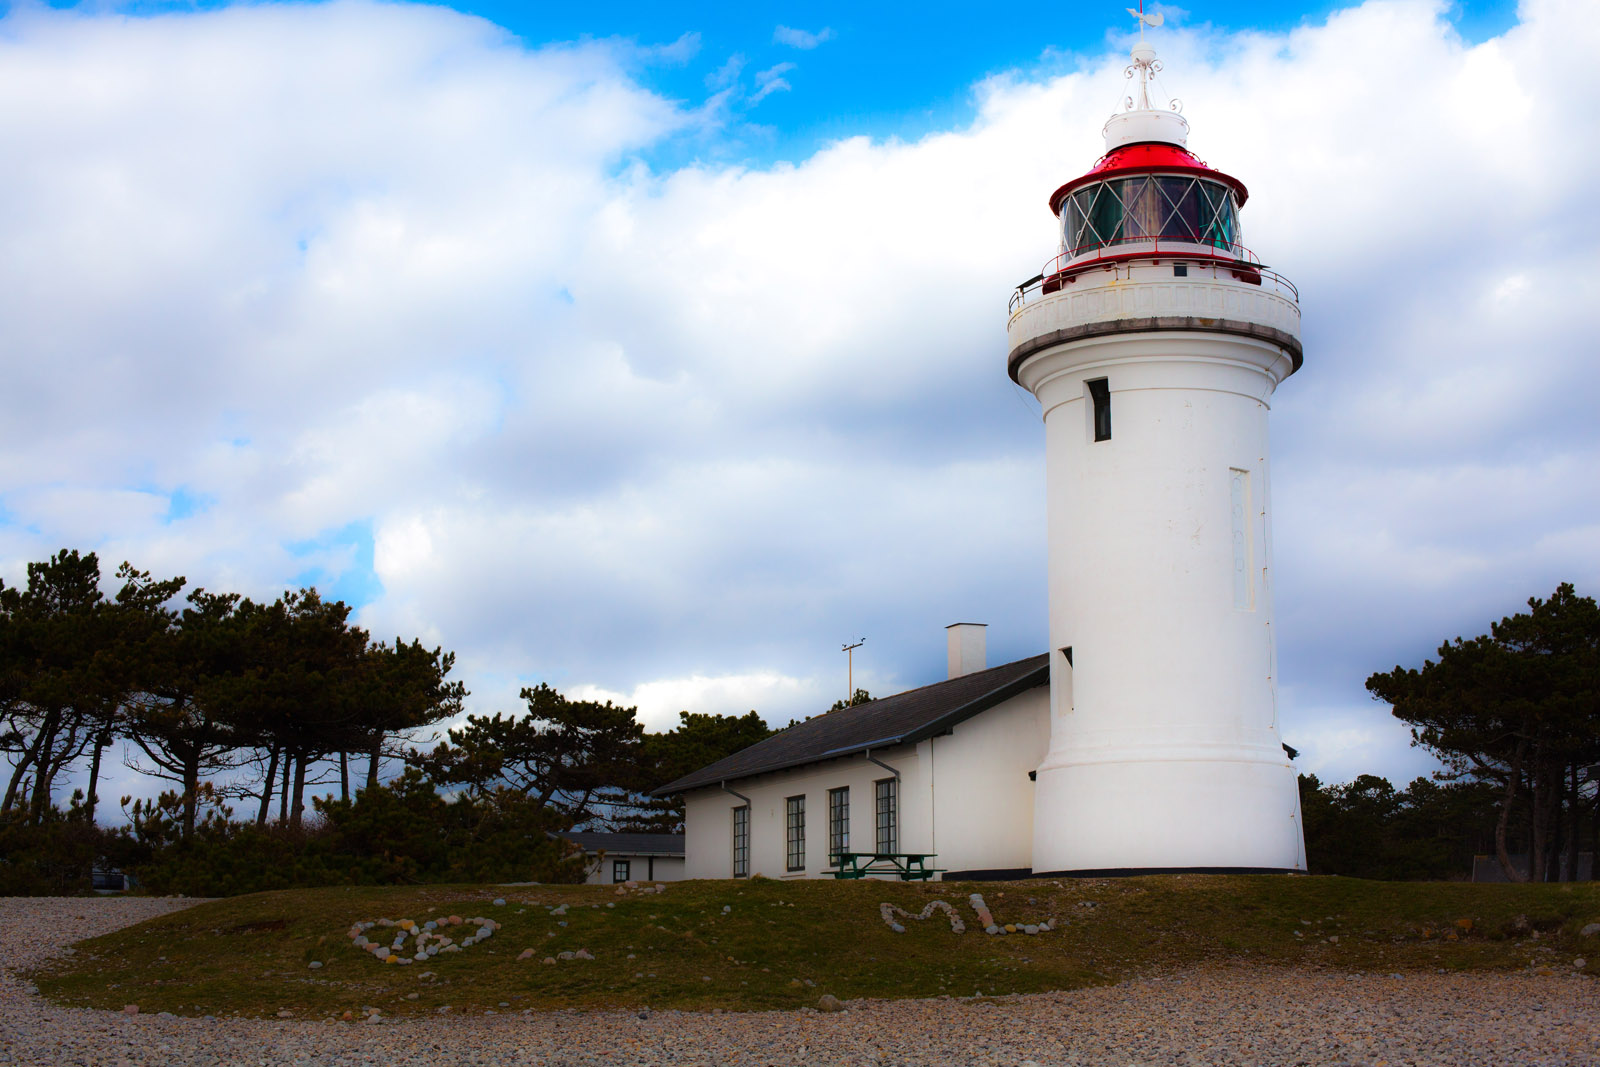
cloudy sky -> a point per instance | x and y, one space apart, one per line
654 352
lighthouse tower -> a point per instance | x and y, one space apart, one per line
1154 343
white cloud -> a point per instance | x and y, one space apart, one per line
727 74
771 81
804 40
659 701
616 428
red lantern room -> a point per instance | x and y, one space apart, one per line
1148 196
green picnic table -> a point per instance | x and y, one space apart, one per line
907 866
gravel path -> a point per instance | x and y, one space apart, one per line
1223 1016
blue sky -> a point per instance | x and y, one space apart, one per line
654 352
897 70
885 70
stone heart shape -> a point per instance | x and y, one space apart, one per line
430 937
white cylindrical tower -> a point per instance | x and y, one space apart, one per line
1154 343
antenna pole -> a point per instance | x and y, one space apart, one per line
850 670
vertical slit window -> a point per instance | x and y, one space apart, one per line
888 815
795 832
1061 684
741 841
838 824
1100 402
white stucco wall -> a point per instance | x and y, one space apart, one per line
965 796
708 816
977 777
664 868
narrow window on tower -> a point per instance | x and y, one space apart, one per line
1243 523
1063 692
1100 404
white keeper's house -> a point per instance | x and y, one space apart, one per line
944 769
1146 737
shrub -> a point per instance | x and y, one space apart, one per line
401 834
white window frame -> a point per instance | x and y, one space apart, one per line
741 841
838 823
794 833
886 815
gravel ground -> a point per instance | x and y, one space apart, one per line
1231 1015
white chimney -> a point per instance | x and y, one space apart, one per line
966 647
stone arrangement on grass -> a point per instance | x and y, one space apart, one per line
892 914
995 929
431 938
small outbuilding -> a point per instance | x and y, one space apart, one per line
615 858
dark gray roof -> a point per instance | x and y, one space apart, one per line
901 719
627 844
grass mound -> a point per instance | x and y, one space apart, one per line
764 944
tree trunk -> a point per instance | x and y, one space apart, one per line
375 757
100 741
1570 874
1594 838
44 743
41 795
191 794
1501 825
1555 777
299 792
344 777
283 797
24 761
266 790
1538 821
1558 839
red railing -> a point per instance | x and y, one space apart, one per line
1236 259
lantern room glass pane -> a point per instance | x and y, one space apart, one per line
1105 215
1074 221
1221 223
1142 208
1183 203
1135 209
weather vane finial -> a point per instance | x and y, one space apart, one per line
1144 57
1152 20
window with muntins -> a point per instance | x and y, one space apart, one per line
741 841
888 815
795 828
619 870
838 824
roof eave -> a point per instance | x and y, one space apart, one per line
1033 678
999 695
